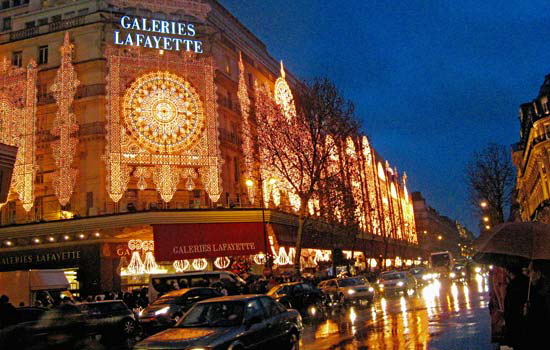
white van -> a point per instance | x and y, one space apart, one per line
161 284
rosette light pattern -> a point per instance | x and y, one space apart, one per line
163 112
283 95
65 125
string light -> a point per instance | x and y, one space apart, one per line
200 264
181 265
18 116
248 142
64 125
221 263
260 258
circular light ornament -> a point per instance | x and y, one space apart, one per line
163 112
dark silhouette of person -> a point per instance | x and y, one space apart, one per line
537 310
514 302
8 313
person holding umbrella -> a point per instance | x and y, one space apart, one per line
526 243
537 307
514 303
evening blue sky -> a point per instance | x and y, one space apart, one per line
432 81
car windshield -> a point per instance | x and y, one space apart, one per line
165 300
348 282
217 314
393 276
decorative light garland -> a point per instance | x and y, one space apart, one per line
65 125
18 120
222 262
181 265
200 264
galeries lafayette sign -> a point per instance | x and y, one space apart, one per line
191 241
157 34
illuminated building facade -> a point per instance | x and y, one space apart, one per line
131 115
531 156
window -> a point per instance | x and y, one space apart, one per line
56 18
227 64
6 23
69 14
254 309
29 24
236 168
43 54
271 306
17 58
42 21
83 12
5 4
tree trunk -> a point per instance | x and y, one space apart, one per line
301 221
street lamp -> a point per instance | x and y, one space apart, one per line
486 219
487 227
440 237
483 204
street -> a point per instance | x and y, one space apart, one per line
436 316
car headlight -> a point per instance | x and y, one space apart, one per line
452 275
140 313
400 284
162 311
463 273
351 291
426 277
477 269
371 289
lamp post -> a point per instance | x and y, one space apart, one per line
249 183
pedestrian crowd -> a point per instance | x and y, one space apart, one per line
525 299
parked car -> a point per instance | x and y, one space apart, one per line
17 335
296 295
109 318
162 284
396 281
344 290
232 322
167 310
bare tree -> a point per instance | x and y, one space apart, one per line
297 147
490 177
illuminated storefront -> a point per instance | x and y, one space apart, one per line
130 115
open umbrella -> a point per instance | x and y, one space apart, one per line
514 243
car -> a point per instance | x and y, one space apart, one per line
396 281
109 318
458 273
162 284
296 295
232 322
167 310
16 335
347 289
422 275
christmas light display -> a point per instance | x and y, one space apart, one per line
200 264
283 95
222 262
248 143
65 125
161 120
18 125
139 265
181 265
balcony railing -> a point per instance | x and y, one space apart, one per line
47 28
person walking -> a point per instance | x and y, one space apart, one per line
537 308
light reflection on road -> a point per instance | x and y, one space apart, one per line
434 317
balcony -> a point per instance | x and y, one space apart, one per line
47 28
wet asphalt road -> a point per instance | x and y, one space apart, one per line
436 316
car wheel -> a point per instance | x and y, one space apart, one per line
293 342
128 327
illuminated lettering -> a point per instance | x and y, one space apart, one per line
164 41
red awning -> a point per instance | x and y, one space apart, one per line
192 241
